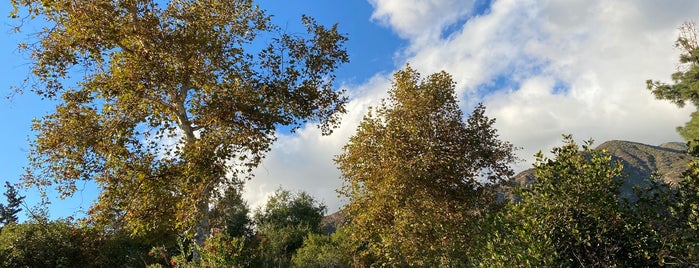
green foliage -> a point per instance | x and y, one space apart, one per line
8 212
117 249
278 245
285 209
680 230
283 223
230 214
418 177
685 87
223 250
570 216
216 78
321 250
40 243
666 219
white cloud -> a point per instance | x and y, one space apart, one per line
419 20
303 161
543 68
572 67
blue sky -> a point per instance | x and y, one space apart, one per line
16 110
542 68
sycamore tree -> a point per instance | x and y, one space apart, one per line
163 102
685 86
417 176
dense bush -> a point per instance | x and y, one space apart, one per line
44 244
61 243
327 250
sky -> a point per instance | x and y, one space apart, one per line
542 69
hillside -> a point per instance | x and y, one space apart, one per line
641 161
331 222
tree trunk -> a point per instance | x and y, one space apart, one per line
202 228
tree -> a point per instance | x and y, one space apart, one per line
230 214
685 87
685 219
676 217
417 176
8 213
176 100
669 217
283 223
571 215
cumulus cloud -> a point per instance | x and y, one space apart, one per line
547 68
542 68
595 67
419 20
303 161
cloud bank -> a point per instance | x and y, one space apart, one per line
542 68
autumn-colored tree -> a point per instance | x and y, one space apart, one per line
685 87
174 100
417 177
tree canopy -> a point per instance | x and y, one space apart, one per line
283 223
570 215
173 99
416 175
685 86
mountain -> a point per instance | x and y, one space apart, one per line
330 223
641 161
667 161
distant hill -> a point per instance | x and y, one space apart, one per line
640 161
331 222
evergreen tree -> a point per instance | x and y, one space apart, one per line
283 223
230 214
8 212
685 87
